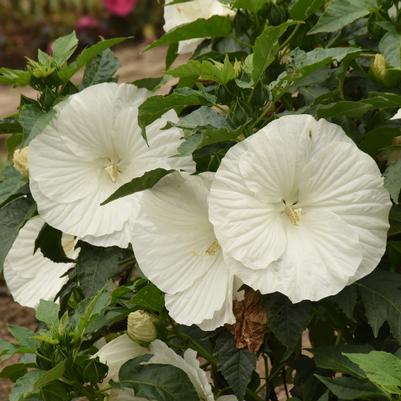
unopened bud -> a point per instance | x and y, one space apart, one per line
382 72
20 161
141 326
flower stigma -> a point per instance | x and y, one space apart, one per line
293 213
214 247
113 170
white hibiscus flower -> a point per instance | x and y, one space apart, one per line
184 13
301 207
26 272
91 148
397 115
122 349
187 263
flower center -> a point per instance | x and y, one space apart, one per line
68 245
293 213
113 170
214 247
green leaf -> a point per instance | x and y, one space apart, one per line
207 70
9 126
6 349
11 181
341 13
381 296
155 106
381 368
349 388
302 9
23 336
48 312
12 217
87 55
235 364
287 321
96 265
332 358
63 48
14 77
380 137
15 371
148 297
157 382
100 69
25 385
148 180
390 47
51 375
202 117
49 242
151 83
344 108
216 26
55 391
346 300
251 5
392 180
266 48
383 100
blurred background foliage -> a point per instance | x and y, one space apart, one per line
26 25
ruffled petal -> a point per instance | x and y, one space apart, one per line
26 272
323 253
248 228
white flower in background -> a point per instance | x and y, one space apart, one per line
397 115
141 326
31 276
122 349
301 207
184 13
91 148
187 263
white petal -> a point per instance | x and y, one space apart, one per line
93 131
118 351
322 254
348 183
32 277
162 354
208 302
397 115
248 228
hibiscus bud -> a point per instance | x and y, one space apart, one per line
141 326
20 161
382 72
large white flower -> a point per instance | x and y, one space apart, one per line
184 13
30 276
92 147
176 248
301 207
397 115
122 349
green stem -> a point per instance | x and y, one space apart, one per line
253 395
294 31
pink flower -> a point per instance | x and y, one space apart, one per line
120 7
87 22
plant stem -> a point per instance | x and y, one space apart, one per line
285 383
253 395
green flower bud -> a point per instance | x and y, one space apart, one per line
141 326
382 72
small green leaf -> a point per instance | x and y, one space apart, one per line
332 358
12 217
157 382
55 391
10 183
349 388
9 126
155 106
343 108
341 13
14 77
235 364
380 137
251 5
287 321
148 297
87 55
25 385
15 371
302 9
100 69
151 83
148 180
63 48
392 180
266 48
216 26
381 368
390 47
51 375
23 336
48 312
